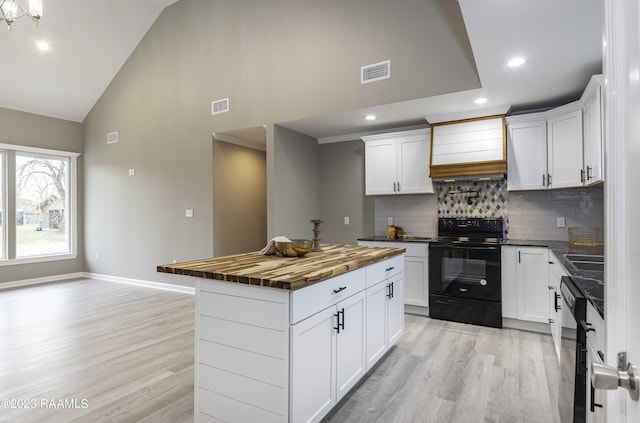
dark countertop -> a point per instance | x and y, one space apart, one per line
407 239
590 282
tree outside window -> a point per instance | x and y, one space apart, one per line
41 205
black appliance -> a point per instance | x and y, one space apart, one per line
464 271
572 395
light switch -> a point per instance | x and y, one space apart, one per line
390 220
560 222
132 172
188 213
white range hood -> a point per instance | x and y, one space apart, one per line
471 149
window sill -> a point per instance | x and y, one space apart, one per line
38 259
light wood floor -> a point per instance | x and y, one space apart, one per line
128 351
452 372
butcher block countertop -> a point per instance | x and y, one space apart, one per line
276 271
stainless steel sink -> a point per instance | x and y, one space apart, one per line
585 257
586 262
587 265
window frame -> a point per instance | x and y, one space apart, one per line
10 204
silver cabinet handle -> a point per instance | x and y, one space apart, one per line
607 377
398 186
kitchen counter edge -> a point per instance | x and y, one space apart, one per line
289 273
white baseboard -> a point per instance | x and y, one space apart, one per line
524 325
139 282
38 281
412 309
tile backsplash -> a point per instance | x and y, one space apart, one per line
528 214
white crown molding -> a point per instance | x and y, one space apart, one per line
359 135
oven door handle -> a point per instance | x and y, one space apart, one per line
435 246
452 301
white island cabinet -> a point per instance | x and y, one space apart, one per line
268 354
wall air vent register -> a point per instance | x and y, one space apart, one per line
220 106
375 72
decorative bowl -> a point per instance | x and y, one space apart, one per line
295 248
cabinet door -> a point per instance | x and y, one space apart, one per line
564 161
376 322
416 276
593 141
395 309
350 343
313 383
555 319
380 167
509 268
527 155
413 164
533 284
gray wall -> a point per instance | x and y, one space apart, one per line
277 61
239 199
31 130
295 193
342 193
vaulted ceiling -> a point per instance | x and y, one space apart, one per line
91 39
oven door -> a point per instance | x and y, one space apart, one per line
465 271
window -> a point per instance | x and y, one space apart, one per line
38 217
2 189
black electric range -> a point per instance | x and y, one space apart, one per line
465 278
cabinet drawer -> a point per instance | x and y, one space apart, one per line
308 301
378 272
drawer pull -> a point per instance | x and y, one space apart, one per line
388 269
342 288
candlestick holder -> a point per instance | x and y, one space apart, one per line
316 232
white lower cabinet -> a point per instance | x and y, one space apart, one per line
596 399
327 358
525 283
416 270
385 317
556 303
272 355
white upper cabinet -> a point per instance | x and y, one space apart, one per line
559 148
527 152
593 139
564 150
397 163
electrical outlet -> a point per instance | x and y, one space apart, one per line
560 222
346 220
188 213
390 220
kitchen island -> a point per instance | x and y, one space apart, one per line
283 339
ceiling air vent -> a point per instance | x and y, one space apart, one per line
375 72
220 106
112 137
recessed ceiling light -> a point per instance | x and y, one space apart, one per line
370 117
480 100
515 62
43 46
